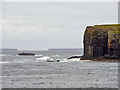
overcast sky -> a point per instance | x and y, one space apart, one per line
39 26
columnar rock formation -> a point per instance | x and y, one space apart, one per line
102 40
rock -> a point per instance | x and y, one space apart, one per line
52 60
101 40
73 57
26 54
57 60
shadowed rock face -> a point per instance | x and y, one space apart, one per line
102 40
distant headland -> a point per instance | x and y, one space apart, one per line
102 42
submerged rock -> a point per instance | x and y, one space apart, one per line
52 60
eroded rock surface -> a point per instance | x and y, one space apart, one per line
102 40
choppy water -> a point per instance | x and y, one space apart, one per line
33 72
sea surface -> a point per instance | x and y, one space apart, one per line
36 72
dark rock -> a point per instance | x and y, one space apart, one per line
26 54
102 40
72 57
52 60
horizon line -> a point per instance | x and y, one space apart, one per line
40 49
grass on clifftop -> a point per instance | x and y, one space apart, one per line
114 28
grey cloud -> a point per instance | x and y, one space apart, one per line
62 24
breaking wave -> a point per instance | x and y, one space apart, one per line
55 56
70 60
38 55
73 60
43 58
4 55
3 62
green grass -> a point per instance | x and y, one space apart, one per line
114 28
115 31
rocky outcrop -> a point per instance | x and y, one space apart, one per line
26 54
102 41
74 57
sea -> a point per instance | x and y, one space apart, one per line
36 72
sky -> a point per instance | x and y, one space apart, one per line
44 25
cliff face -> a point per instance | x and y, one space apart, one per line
101 40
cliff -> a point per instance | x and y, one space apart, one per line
102 41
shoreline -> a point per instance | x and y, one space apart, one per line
110 60
82 58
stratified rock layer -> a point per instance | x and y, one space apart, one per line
102 40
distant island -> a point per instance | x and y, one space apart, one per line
4 50
54 49
7 49
102 42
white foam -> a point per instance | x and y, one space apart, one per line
4 55
70 60
1 62
50 60
55 56
84 60
19 61
24 56
43 58
39 55
75 55
73 60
